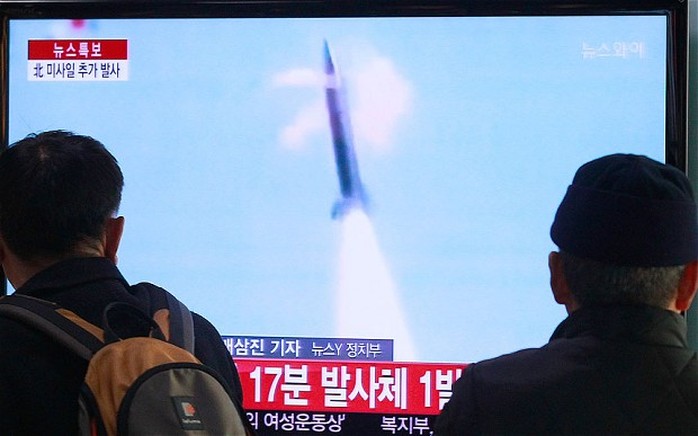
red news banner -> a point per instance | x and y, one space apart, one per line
52 49
77 59
386 388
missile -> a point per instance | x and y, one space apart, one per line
350 186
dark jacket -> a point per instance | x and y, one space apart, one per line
606 370
40 380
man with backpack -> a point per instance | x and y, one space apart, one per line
59 235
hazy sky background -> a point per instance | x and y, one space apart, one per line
467 132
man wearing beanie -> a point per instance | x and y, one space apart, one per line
626 271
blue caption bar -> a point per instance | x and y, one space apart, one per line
271 347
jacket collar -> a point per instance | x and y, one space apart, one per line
642 324
71 273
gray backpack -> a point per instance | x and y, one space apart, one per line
148 383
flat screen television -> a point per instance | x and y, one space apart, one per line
352 272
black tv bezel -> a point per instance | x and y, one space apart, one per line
676 11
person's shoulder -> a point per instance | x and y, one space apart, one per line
204 327
17 332
530 365
516 359
208 341
211 350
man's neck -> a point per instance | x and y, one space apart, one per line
18 271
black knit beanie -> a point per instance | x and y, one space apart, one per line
628 210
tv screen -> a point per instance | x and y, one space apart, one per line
414 236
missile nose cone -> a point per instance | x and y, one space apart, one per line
329 65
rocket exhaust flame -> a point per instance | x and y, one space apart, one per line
368 303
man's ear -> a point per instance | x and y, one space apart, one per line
114 229
558 282
687 287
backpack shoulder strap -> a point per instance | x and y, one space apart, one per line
63 326
166 309
181 324
180 329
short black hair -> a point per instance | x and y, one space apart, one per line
57 190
